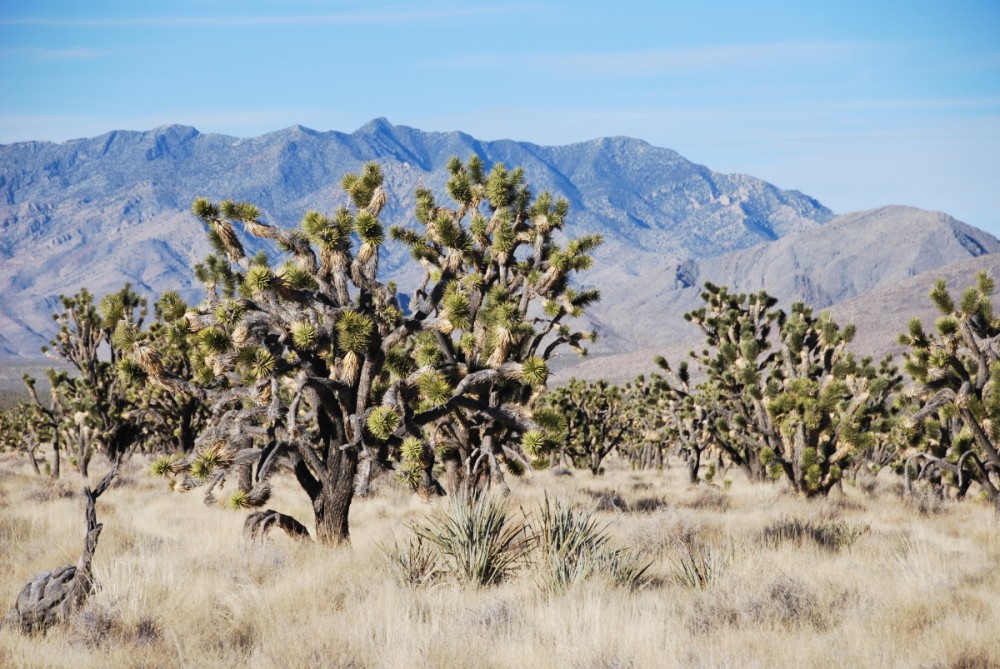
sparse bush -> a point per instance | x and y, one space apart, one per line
826 534
413 563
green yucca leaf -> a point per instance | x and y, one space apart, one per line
369 228
534 371
304 336
170 307
201 468
129 370
258 279
354 330
970 300
246 212
215 339
112 309
163 465
409 474
238 500
297 277
126 335
412 449
263 364
382 422
315 224
533 442
947 325
229 313
457 308
246 355
204 209
467 343
434 388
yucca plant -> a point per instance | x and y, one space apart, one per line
697 565
574 546
479 537
570 543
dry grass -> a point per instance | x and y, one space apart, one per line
845 582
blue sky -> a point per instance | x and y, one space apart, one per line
858 104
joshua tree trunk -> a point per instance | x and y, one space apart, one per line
333 503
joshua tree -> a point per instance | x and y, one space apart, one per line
502 283
597 419
688 415
736 362
171 420
954 430
649 435
803 409
23 428
55 594
829 407
316 362
91 406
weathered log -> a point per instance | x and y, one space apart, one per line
55 594
258 524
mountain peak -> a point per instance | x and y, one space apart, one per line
377 126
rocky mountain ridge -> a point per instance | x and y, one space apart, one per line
98 212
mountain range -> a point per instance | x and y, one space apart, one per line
101 211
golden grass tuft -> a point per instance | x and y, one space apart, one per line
799 583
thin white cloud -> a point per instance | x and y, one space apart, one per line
396 16
667 60
44 54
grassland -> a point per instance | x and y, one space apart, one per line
856 580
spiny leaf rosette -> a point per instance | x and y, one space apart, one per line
319 366
953 428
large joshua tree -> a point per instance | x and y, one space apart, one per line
318 363
954 426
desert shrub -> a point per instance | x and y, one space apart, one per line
709 499
781 602
831 535
608 500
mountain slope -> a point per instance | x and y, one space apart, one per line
101 211
878 290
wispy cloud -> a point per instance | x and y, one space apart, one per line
394 16
44 54
668 60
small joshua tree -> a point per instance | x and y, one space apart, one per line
91 407
688 419
315 362
954 427
597 418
